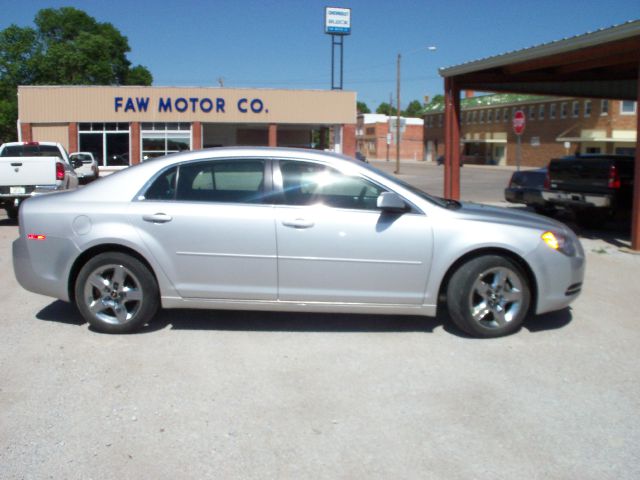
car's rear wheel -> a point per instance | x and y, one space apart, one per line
488 296
116 293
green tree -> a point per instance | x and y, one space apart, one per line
386 109
414 110
362 107
67 47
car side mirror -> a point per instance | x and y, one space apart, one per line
391 202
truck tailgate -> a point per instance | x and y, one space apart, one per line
26 171
580 175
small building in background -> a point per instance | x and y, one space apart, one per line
371 137
555 126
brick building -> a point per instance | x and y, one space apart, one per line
555 127
371 137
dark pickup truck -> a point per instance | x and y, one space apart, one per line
594 187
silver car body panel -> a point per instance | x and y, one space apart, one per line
286 258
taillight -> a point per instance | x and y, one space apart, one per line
614 177
59 171
36 236
547 181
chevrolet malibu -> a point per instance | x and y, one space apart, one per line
289 230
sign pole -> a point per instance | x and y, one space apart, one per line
398 120
519 122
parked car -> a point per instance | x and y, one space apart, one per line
88 167
594 187
525 186
289 230
33 168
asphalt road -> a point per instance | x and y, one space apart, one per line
478 183
252 395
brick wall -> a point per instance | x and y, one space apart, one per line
540 138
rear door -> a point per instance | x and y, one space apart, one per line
208 225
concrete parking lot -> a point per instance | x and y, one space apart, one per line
267 395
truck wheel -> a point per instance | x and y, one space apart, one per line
116 293
12 212
592 217
488 296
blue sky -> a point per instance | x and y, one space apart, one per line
282 44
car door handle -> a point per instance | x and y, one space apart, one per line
157 218
298 223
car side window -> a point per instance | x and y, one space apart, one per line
163 187
236 181
306 183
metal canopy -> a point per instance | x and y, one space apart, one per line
601 64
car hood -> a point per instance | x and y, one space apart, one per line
507 216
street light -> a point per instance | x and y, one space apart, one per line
430 48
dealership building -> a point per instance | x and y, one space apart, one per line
126 125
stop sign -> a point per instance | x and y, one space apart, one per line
519 121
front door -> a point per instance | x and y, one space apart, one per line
335 246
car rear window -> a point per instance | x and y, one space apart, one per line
31 151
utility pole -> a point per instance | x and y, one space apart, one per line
398 120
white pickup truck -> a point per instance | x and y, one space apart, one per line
32 168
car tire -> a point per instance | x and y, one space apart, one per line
116 293
488 296
12 212
593 218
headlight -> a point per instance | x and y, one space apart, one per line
560 242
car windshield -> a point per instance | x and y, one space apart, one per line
441 202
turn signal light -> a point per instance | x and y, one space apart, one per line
36 236
551 240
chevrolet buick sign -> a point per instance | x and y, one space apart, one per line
337 21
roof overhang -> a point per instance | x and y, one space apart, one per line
601 64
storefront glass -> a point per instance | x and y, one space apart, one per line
163 138
109 142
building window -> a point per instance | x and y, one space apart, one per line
575 109
587 108
564 109
481 116
604 107
628 107
552 111
532 112
474 117
109 142
505 115
489 116
541 112
439 120
160 139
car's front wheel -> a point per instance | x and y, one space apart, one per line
488 296
116 293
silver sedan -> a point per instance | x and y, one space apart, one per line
289 230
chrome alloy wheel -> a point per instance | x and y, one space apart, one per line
496 297
112 294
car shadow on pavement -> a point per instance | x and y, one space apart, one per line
259 321
61 312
